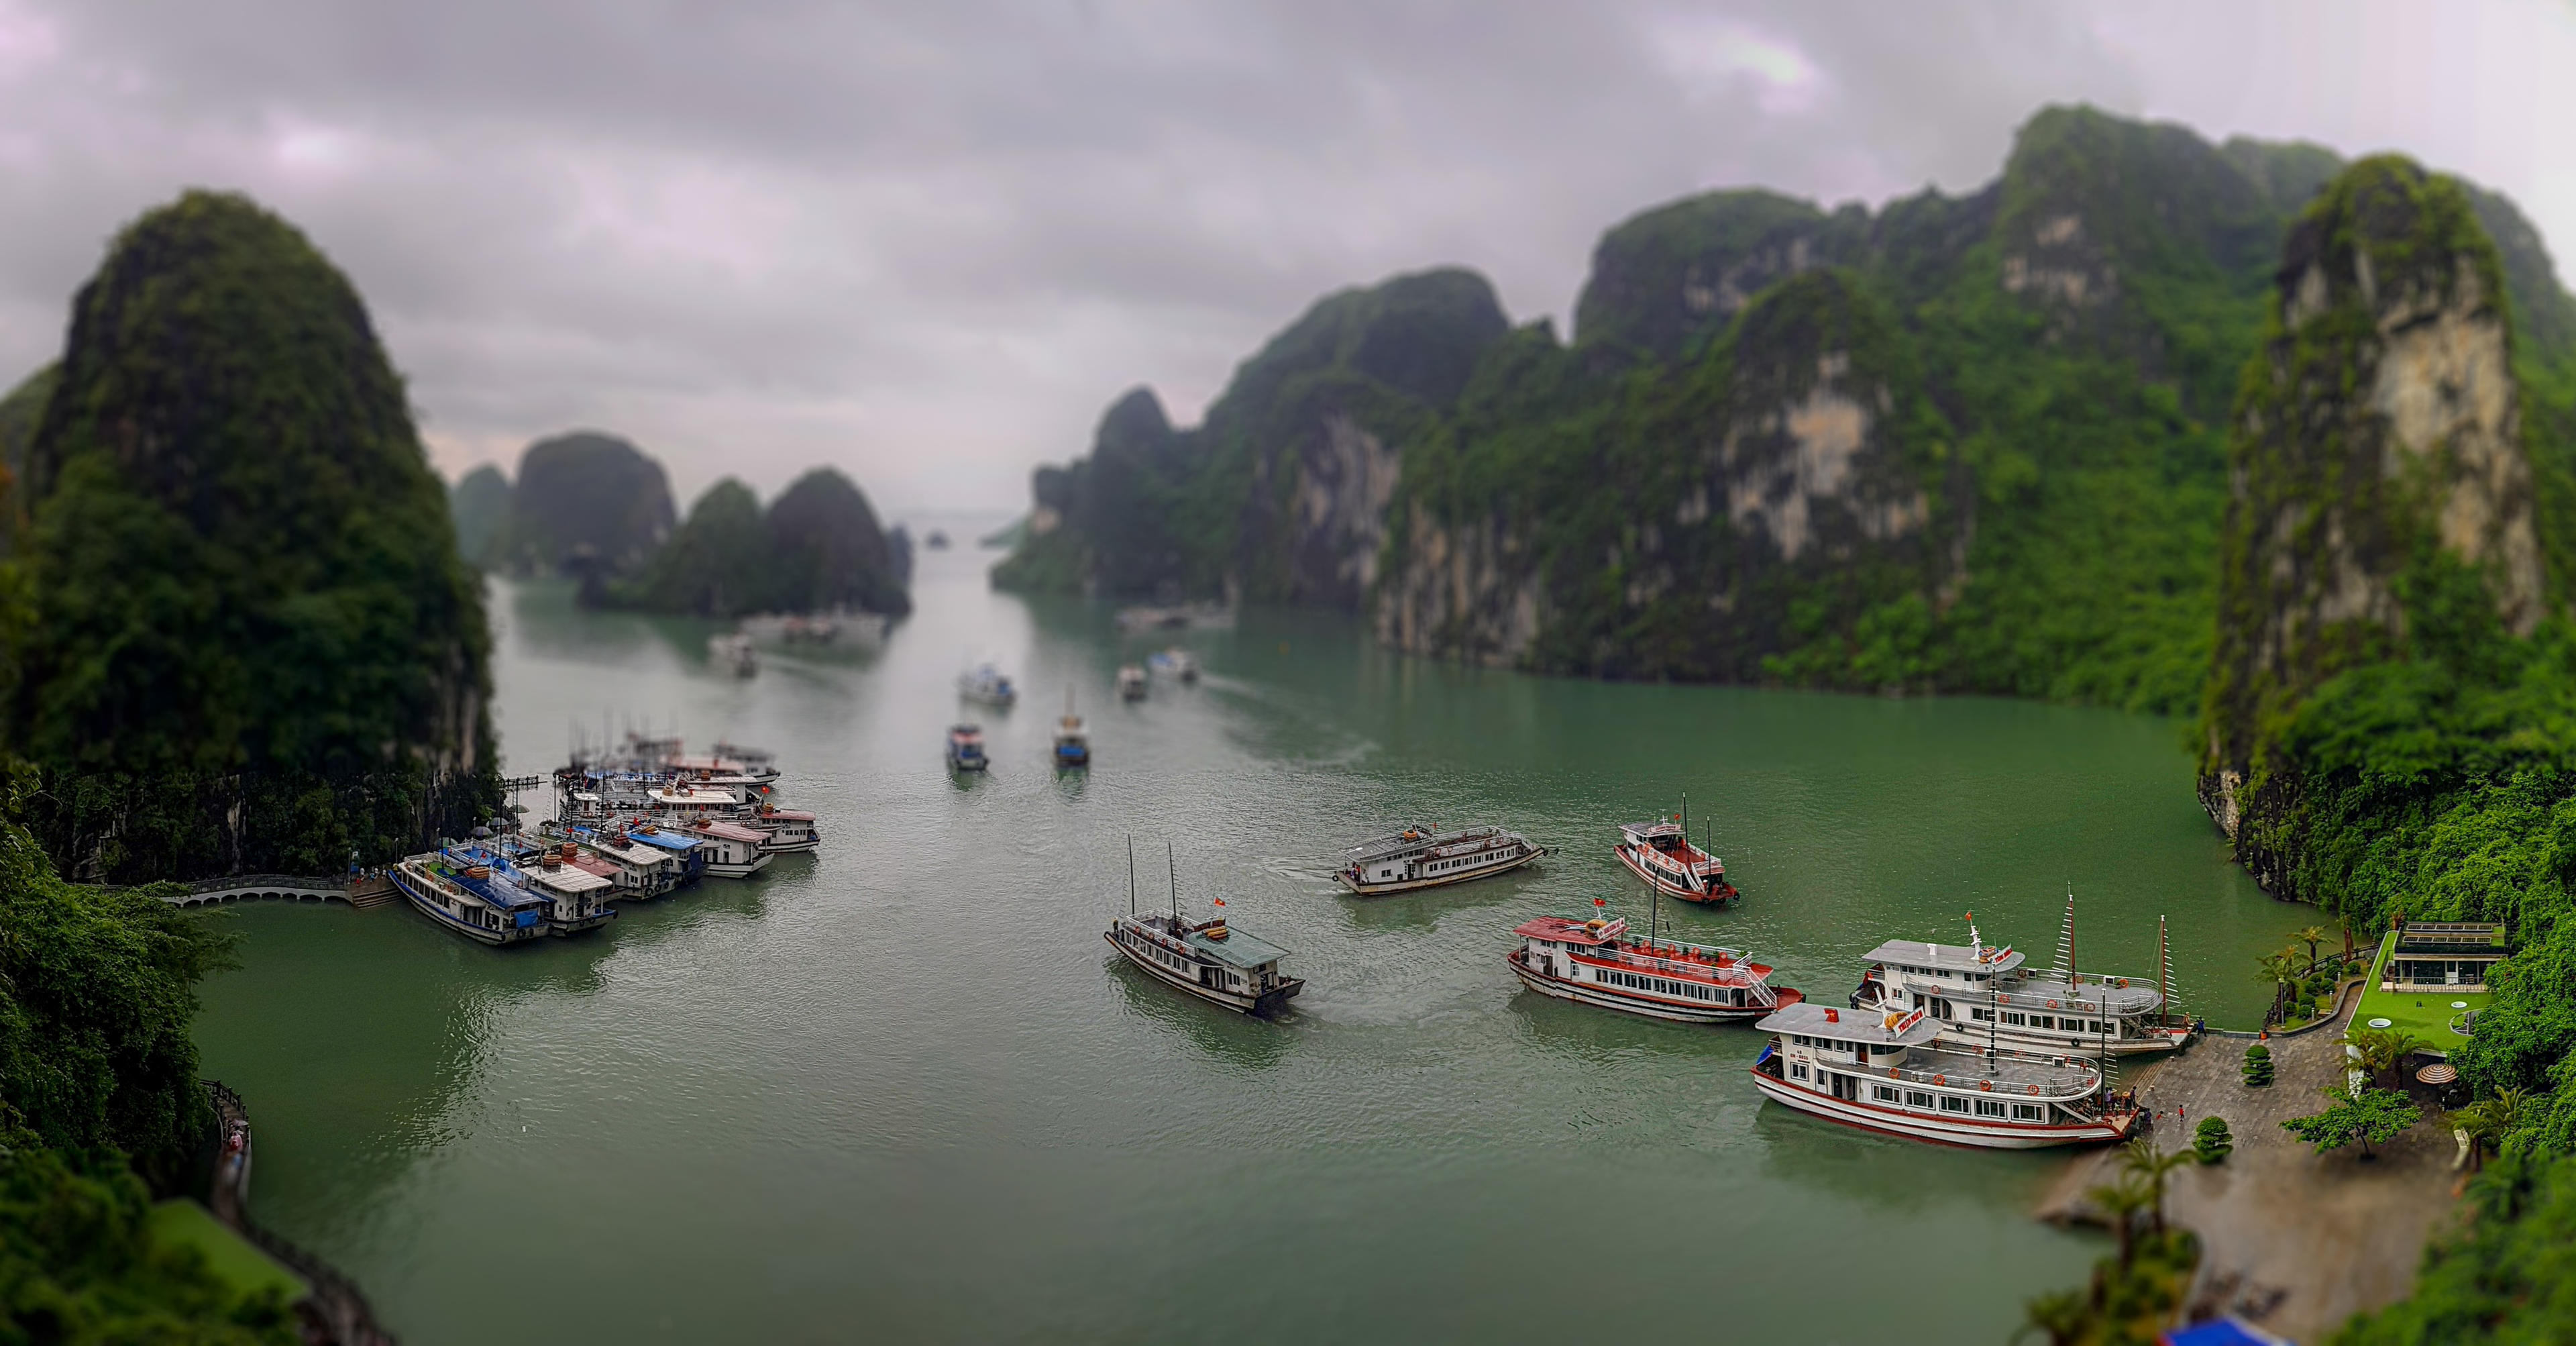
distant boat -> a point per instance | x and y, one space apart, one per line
1661 853
1209 616
733 651
1131 683
966 748
937 541
1208 959
1173 663
1072 738
817 630
988 685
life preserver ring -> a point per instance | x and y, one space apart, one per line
2052 1004
2034 1091
2124 983
1985 1086
1941 1079
1892 1072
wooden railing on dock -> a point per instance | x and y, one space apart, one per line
335 1312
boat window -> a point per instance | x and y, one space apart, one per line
1953 1103
1918 1099
2029 1112
1884 1093
1980 1015
2013 1018
1987 1107
1797 1072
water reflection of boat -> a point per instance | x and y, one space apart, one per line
1597 962
1886 1073
1417 857
1131 683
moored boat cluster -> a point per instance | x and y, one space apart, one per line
1954 1044
629 826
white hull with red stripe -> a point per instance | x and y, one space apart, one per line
1945 1130
1882 1072
1632 1002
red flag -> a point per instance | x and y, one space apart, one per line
1601 901
1220 901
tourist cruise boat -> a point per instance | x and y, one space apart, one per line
1131 682
789 831
986 685
1887 1073
733 851
733 651
1661 853
1597 962
966 748
1210 960
1173 663
580 895
1980 996
641 872
464 891
688 853
1418 857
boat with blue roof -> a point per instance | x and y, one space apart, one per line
481 893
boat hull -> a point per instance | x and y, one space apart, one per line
1940 1130
741 870
1584 993
585 924
1360 889
1971 1037
1261 1006
428 906
1725 891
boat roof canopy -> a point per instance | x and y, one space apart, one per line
568 879
730 832
1851 1025
1571 931
1945 957
1654 831
1237 949
665 840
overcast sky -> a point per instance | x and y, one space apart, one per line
929 242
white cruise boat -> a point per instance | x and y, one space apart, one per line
1418 857
1173 663
1210 960
1131 682
733 851
1886 1073
790 830
640 872
735 653
1597 962
1978 995
580 897
1661 853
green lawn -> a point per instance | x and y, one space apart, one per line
2426 1014
234 1259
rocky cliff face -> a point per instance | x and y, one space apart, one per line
479 503
2379 441
255 644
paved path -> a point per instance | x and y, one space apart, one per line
2296 1241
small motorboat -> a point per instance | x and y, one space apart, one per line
1131 683
966 748
1173 663
734 651
1072 738
987 685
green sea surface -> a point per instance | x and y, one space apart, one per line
902 1090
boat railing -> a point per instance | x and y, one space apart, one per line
2089 1080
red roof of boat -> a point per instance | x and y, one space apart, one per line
1562 927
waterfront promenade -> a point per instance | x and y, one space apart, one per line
2295 1241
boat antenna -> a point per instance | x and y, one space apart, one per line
1172 869
2066 939
1131 874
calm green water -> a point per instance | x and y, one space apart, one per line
900 1090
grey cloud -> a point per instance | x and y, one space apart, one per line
929 242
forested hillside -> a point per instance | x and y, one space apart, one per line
1968 443
247 641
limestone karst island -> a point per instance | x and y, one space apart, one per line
908 674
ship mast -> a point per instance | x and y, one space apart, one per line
1172 869
1131 874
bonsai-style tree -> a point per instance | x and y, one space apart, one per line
2149 1166
2312 936
2371 1116
2258 1067
2210 1141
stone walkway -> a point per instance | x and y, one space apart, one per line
2296 1241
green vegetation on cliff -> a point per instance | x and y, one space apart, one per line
588 505
818 548
248 641
479 504
1962 444
19 413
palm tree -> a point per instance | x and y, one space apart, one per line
2061 1314
2281 971
2120 1203
2478 1122
2312 936
2149 1165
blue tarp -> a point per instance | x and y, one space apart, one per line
2221 1332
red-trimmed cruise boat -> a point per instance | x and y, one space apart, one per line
1885 1072
1599 963
1661 853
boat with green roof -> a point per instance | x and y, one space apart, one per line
1209 959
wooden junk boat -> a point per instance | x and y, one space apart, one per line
1661 853
1416 857
1598 962
1887 1073
1207 959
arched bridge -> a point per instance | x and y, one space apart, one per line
293 887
